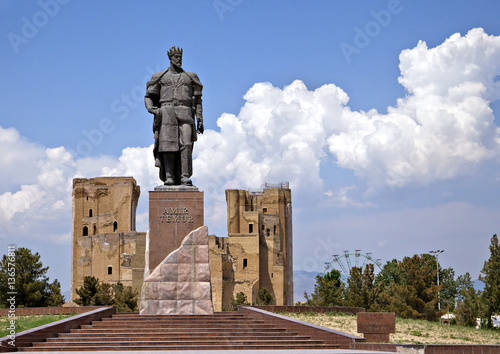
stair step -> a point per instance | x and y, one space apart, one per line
218 314
173 325
218 346
202 317
176 337
185 330
169 335
173 321
177 317
183 342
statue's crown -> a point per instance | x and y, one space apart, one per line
174 51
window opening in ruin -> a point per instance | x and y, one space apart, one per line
115 226
85 231
268 232
245 263
274 233
95 230
264 210
262 227
272 275
110 270
90 213
250 228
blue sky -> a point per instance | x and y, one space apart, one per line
293 91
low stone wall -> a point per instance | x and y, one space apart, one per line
379 347
30 311
38 334
462 349
317 309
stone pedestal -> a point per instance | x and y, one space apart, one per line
376 326
180 284
174 211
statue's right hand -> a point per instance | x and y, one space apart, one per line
154 110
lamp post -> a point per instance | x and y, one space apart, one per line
436 254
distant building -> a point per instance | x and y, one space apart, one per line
447 318
258 250
104 241
256 254
496 321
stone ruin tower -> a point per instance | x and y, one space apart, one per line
104 241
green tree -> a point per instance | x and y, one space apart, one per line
361 290
467 309
125 298
353 293
398 298
95 293
328 290
390 273
241 299
30 280
370 290
449 291
54 297
87 292
264 297
490 276
415 295
103 296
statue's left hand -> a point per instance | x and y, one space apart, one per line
200 129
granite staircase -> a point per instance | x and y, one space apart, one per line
221 331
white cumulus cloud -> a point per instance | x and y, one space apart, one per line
279 135
17 159
444 125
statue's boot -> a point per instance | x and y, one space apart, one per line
169 163
186 164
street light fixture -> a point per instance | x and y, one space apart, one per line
436 254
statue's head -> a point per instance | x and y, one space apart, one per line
175 56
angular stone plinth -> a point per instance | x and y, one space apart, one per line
174 211
376 326
180 285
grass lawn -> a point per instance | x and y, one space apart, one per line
407 331
26 322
